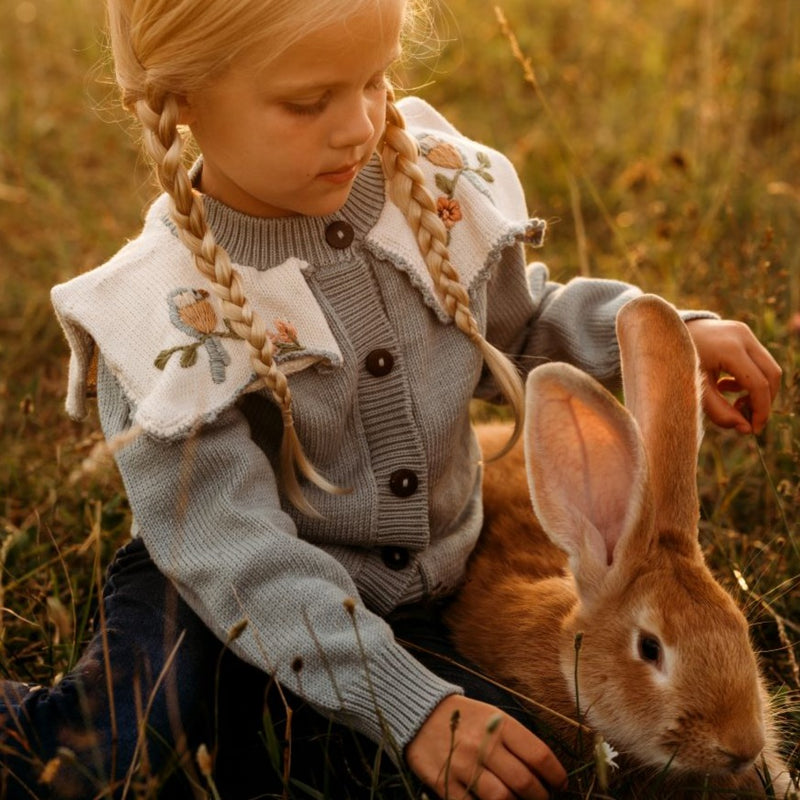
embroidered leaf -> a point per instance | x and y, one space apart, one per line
288 347
445 184
189 355
487 176
483 160
162 358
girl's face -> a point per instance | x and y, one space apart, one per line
291 138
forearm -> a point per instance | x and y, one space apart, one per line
573 322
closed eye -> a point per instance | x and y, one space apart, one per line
310 108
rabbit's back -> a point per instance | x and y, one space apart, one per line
512 540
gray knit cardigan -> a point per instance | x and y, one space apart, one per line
381 380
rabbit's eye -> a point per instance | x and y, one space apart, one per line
649 649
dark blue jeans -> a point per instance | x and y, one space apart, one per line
154 684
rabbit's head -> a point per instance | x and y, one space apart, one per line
665 668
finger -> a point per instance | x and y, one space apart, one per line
515 775
728 386
768 365
721 412
767 384
533 753
759 390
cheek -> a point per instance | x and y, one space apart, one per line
377 117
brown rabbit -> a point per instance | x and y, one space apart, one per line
665 669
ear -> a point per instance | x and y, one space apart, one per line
186 111
662 390
587 472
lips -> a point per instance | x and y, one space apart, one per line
341 174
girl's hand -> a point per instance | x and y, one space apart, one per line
725 346
483 754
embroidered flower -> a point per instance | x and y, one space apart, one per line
449 211
191 312
195 310
285 338
445 155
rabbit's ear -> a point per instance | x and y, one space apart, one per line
662 390
587 472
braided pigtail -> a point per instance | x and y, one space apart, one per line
408 191
165 144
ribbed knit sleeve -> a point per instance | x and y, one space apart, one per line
207 508
537 320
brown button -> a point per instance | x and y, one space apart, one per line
339 235
403 482
395 558
380 363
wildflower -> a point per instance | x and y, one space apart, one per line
605 751
204 760
604 755
50 770
449 211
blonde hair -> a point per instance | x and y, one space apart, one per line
165 49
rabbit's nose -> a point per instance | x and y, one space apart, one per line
739 762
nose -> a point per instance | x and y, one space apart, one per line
739 762
357 123
741 754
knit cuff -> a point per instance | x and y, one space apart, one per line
393 698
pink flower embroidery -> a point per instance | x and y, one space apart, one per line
285 337
449 211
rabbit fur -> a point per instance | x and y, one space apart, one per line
665 668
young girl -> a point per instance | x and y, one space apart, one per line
285 360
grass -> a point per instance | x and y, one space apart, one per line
660 141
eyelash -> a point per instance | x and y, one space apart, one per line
378 84
309 109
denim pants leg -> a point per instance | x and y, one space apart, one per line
128 700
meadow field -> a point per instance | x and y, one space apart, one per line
660 140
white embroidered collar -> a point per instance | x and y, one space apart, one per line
177 360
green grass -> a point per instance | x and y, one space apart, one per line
660 141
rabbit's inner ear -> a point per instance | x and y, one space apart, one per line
585 465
